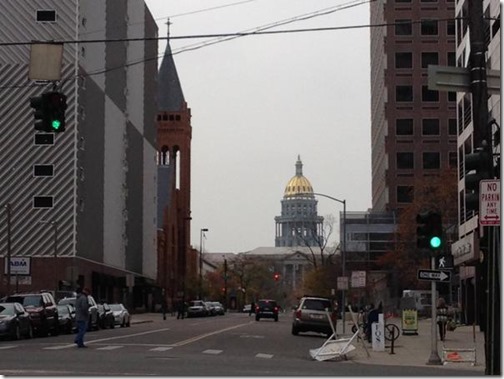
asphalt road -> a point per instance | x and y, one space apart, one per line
230 345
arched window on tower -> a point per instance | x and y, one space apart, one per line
177 167
163 158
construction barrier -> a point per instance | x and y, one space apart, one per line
459 355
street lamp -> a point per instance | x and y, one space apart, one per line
55 231
203 230
343 249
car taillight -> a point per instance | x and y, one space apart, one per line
257 309
275 309
298 313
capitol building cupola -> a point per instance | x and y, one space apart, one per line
299 224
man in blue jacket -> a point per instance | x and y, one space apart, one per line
81 315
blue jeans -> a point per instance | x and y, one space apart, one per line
81 330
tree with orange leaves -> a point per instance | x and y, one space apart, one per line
431 193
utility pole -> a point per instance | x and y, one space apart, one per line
482 137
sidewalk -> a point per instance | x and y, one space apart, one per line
409 350
416 350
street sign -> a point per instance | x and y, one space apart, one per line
434 275
342 283
489 206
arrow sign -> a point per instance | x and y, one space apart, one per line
434 275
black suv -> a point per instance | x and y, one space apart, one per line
266 308
42 309
311 315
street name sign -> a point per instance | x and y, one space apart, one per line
434 275
489 206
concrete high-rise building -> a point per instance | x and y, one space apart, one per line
413 129
82 203
466 251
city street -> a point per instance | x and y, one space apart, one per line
230 345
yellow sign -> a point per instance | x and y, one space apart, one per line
410 321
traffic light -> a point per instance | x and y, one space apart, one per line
57 105
477 168
276 277
429 230
49 112
38 103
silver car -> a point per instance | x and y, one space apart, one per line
121 315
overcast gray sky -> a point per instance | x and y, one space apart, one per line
259 101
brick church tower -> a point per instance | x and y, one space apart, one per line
174 134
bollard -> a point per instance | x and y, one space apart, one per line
393 339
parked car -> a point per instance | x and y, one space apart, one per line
66 318
121 315
42 309
266 308
212 311
197 308
93 310
105 316
219 308
310 315
15 321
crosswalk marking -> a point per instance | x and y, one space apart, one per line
261 355
161 348
8 347
59 347
211 351
110 347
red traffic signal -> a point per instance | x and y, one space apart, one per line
276 276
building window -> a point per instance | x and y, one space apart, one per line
429 95
405 160
404 93
43 170
404 127
46 15
404 194
403 1
429 28
452 159
452 96
450 27
429 58
451 58
44 139
452 126
430 127
403 60
43 202
403 28
431 161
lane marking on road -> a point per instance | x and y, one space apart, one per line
211 351
115 347
197 338
128 335
59 347
161 348
8 347
266 356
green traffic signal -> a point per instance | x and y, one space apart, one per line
56 124
435 242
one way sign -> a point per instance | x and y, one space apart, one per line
434 275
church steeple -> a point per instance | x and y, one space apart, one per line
170 95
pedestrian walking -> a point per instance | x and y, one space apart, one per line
81 315
252 308
180 309
442 317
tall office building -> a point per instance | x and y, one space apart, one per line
413 129
82 203
467 251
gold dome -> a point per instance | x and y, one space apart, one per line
298 185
